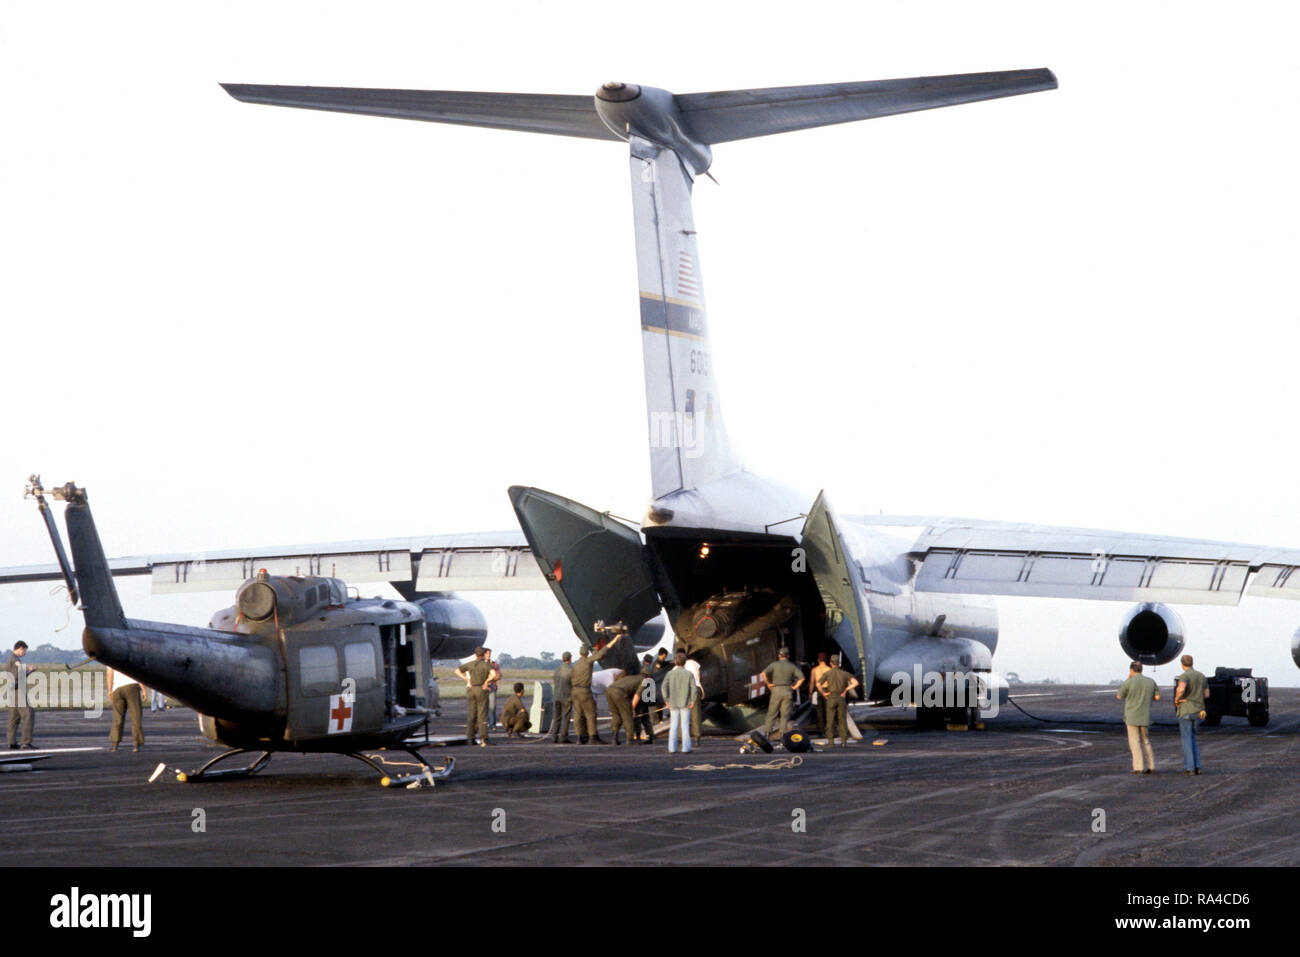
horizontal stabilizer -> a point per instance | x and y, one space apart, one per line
741 114
528 112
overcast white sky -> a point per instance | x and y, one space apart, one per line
241 325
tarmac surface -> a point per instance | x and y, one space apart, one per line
1022 791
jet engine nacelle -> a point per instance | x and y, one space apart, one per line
1152 634
1295 648
454 626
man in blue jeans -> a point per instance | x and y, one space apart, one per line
1190 692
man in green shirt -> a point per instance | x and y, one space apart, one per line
515 716
782 679
476 674
1137 693
1190 692
680 692
835 685
584 705
563 699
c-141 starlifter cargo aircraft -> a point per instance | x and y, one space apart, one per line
743 564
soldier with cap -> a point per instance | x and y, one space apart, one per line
835 685
562 701
476 674
782 679
584 705
514 715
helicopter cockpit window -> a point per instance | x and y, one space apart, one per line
318 667
359 664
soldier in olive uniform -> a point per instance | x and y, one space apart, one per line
782 679
562 702
619 698
584 705
643 700
514 715
835 685
476 674
19 709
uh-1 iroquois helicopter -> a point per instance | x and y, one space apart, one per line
294 665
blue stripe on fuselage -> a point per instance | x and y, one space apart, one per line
676 318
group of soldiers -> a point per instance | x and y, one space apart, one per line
636 700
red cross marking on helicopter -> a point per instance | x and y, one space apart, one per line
342 713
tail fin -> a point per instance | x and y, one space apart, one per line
99 599
669 138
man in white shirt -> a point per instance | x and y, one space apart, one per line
125 697
693 667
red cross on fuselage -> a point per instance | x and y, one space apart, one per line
340 713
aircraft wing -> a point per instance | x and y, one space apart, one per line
476 561
966 556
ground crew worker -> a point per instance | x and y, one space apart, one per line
514 715
1190 693
476 674
125 697
697 705
643 700
562 701
1137 693
835 685
679 690
662 665
819 699
619 698
782 679
584 705
19 707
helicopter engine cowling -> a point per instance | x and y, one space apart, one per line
1152 633
454 626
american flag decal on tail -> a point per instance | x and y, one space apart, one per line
688 283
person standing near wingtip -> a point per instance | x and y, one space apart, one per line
19 707
680 692
1190 693
1137 693
562 700
125 698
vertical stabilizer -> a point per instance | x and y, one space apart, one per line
688 440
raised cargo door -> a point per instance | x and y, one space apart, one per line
839 580
593 563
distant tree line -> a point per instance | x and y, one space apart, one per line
546 661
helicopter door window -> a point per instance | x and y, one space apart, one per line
318 667
359 664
